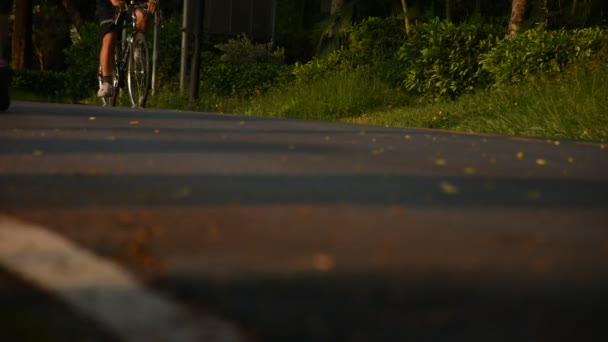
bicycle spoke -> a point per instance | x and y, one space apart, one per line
138 75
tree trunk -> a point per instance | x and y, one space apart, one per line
72 11
518 13
448 10
336 6
478 7
407 17
22 35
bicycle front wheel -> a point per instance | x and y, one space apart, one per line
138 75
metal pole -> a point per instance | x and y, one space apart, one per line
274 20
196 57
155 51
184 59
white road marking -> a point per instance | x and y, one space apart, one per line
101 289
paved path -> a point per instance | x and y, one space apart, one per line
309 231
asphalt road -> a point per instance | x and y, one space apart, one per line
313 231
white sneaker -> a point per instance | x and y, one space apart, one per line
105 90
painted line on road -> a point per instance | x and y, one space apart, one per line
101 289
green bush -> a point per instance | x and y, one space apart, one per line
53 85
376 38
82 60
169 50
541 51
373 44
337 60
243 68
441 59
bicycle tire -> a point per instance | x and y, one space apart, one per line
138 71
116 74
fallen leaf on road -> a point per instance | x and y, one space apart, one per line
323 262
111 138
92 118
214 233
541 162
378 152
407 137
534 195
449 188
182 193
134 122
570 160
470 170
489 186
157 131
520 155
441 162
37 153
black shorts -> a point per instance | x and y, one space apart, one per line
6 6
106 13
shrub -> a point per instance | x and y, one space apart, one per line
376 38
337 60
441 58
541 51
169 50
82 60
243 68
53 85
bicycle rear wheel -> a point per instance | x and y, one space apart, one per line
116 74
138 75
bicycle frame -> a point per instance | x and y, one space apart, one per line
126 20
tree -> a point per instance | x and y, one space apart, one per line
406 15
336 6
518 12
22 35
74 14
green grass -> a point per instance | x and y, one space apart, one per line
573 105
334 97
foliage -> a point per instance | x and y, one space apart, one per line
82 59
242 51
243 68
339 94
541 51
372 45
51 85
338 60
50 34
441 58
571 107
376 37
169 49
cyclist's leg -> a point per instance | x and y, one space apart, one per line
142 21
5 8
109 36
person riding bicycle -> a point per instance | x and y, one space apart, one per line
106 13
5 8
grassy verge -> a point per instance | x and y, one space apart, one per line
571 106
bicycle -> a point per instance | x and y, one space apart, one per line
131 60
